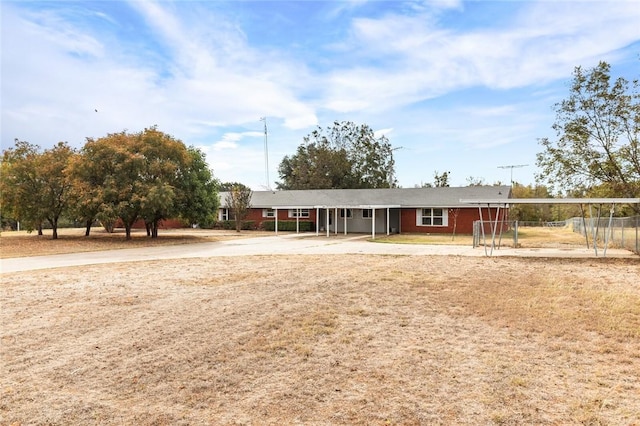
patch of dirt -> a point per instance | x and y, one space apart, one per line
323 340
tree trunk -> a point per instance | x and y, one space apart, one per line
127 230
87 230
147 226
54 228
40 229
154 229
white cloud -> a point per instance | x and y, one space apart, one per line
382 132
424 60
209 77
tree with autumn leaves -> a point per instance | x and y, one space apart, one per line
146 175
34 184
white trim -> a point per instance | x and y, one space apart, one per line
299 212
223 213
370 211
432 217
265 213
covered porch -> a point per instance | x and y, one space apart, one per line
335 219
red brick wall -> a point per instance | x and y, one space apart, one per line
466 217
283 214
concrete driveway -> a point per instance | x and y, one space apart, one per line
288 244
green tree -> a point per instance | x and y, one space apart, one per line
238 200
119 185
598 129
35 184
228 186
531 212
441 180
345 155
199 200
87 179
164 161
22 186
475 181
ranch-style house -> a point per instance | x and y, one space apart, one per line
375 211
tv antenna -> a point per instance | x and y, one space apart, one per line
515 166
266 153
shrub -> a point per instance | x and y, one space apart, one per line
247 225
288 225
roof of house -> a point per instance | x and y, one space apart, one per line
375 198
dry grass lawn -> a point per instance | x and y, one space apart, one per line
323 340
72 240
528 237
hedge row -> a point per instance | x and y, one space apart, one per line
246 225
288 225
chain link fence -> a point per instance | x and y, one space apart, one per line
620 232
506 233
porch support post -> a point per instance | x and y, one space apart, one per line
335 231
327 220
297 220
345 221
373 224
387 220
276 216
317 221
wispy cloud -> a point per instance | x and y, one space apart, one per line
439 77
423 59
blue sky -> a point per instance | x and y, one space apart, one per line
459 86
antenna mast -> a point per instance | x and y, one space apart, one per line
515 166
266 153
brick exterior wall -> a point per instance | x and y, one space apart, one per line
465 219
283 214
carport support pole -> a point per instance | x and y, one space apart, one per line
584 225
607 236
504 209
495 228
491 228
484 237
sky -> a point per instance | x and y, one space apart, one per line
466 87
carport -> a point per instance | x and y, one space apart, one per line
589 202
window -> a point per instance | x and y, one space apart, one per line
432 217
367 213
347 212
294 212
223 214
268 213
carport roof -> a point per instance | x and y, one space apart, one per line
375 198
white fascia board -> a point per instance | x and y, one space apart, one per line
553 201
359 206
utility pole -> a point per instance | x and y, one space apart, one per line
515 166
266 153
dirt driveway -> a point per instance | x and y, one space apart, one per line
282 244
